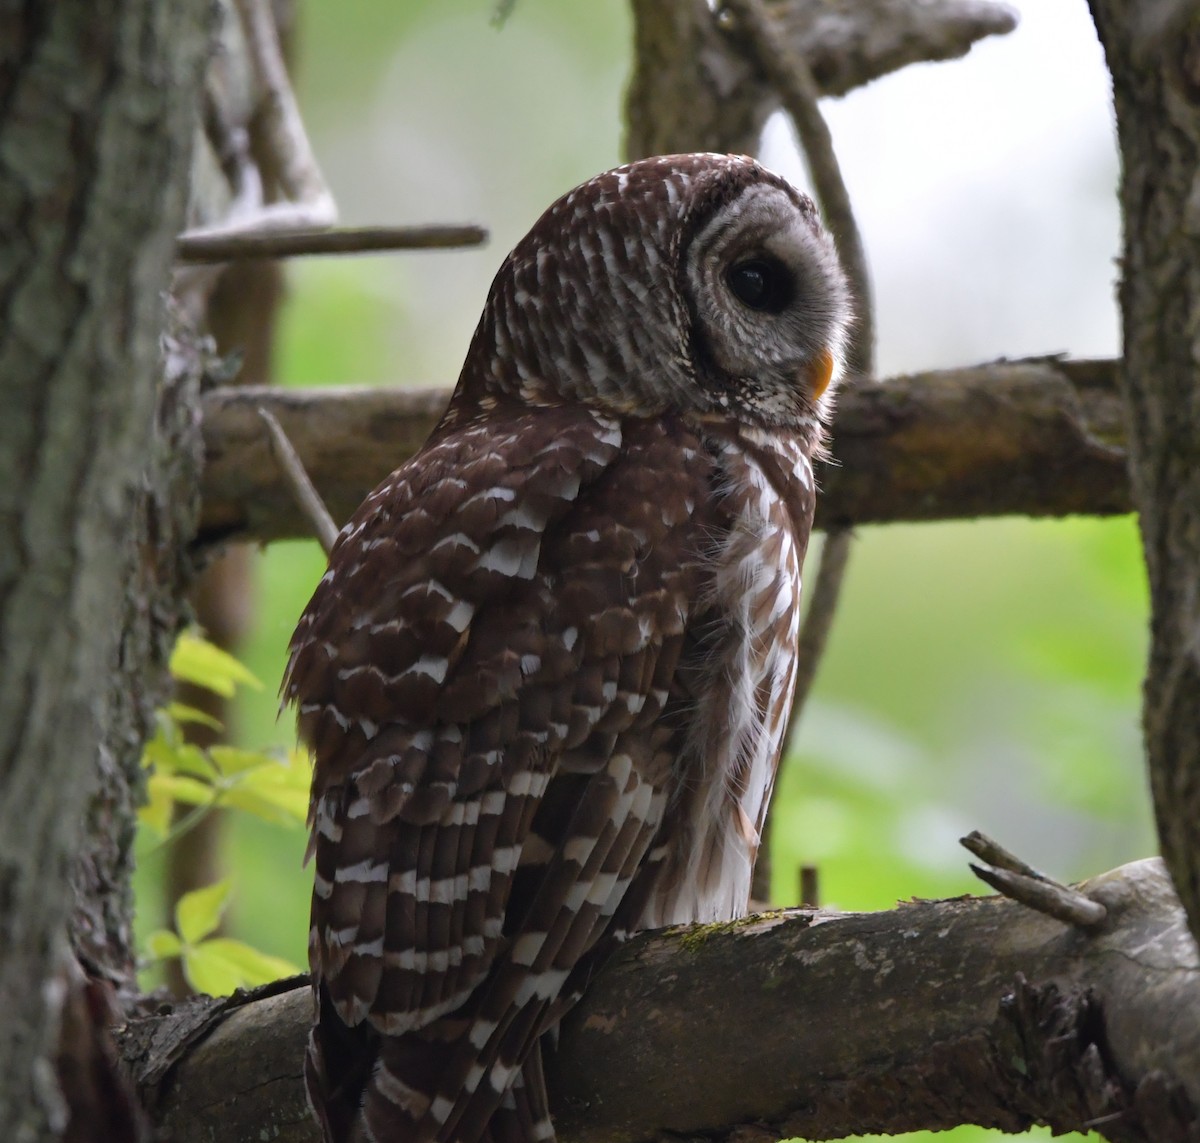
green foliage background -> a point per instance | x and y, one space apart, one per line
981 675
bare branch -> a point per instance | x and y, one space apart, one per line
1038 438
218 247
1020 881
810 886
818 620
991 851
302 488
829 1025
1045 896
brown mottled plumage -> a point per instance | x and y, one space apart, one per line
547 675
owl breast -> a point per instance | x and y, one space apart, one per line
737 680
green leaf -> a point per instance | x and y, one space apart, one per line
256 967
220 965
190 791
207 971
162 944
169 754
280 788
282 806
199 912
193 760
195 660
230 760
181 713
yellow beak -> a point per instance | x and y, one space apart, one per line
819 373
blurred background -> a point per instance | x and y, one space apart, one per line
981 675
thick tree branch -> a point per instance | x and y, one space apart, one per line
795 1023
1039 438
1153 53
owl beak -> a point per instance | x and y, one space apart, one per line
818 373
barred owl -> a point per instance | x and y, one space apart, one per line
547 675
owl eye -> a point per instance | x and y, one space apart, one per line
761 284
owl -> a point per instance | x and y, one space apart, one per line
547 675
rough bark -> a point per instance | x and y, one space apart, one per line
802 1023
1153 53
156 573
96 106
692 82
1039 438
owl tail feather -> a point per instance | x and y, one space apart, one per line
368 1088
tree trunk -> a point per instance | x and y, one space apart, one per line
1153 53
97 102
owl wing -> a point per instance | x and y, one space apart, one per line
480 674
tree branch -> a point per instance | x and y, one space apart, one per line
800 1023
220 247
1038 438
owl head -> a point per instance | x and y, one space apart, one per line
701 284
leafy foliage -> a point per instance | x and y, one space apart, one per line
271 786
216 965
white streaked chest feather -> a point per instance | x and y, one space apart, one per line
737 729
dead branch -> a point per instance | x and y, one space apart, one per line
806 1023
303 492
1020 881
197 247
1036 438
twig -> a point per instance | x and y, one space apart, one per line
302 488
991 851
1015 879
810 886
818 620
1066 905
199 246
